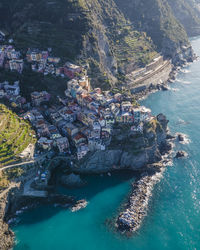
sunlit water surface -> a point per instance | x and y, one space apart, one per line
174 214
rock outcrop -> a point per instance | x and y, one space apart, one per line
129 150
181 154
13 200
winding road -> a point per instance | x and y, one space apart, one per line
22 164
41 158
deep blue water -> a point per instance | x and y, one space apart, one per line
174 215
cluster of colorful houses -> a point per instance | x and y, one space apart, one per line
43 62
83 120
40 61
98 111
12 93
11 59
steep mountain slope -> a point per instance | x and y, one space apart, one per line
113 37
91 31
156 18
188 13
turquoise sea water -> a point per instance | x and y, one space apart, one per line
174 215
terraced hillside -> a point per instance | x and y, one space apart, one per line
156 18
15 136
94 32
112 37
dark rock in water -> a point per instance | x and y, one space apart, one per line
181 154
173 78
72 180
180 137
170 137
164 87
159 86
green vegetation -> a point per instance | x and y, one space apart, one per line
156 18
15 136
43 24
153 126
114 37
79 30
132 47
31 81
7 176
188 14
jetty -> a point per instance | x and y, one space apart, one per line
131 218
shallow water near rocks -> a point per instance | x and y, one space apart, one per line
173 220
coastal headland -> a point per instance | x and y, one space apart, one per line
130 147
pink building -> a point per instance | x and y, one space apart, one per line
70 70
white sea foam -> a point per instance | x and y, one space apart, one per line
174 89
186 71
181 121
186 82
14 221
19 212
186 139
183 81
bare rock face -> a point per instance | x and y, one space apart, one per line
163 121
6 236
130 151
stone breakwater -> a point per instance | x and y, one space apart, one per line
131 218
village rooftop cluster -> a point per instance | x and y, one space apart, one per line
40 61
83 120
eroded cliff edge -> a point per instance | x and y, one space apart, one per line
129 149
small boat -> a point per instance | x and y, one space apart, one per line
109 174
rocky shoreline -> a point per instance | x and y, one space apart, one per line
136 209
162 86
13 203
182 59
131 218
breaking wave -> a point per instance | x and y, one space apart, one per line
183 81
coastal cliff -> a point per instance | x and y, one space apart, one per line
9 196
12 200
129 150
113 39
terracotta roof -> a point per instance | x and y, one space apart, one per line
69 112
79 136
